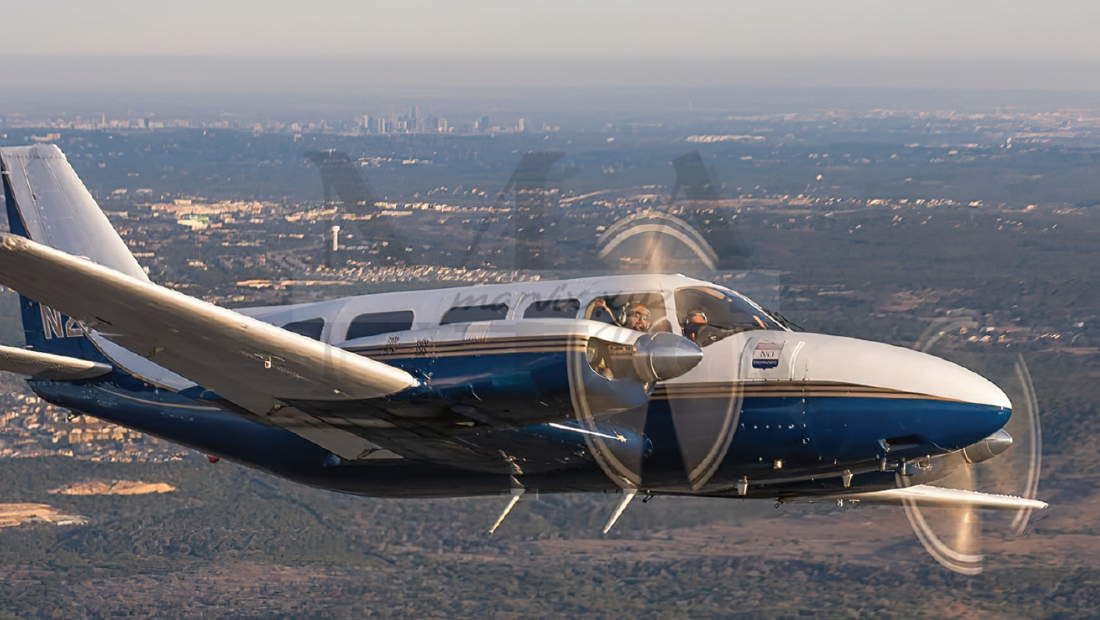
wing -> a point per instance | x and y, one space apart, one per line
927 495
256 366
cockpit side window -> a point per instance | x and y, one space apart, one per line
643 312
310 328
708 315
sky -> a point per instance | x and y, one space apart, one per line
778 29
893 43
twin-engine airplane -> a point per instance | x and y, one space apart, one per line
651 384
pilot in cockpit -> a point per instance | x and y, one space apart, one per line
631 315
701 332
696 321
635 316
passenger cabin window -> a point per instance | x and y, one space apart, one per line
376 323
708 315
644 312
310 328
553 309
469 314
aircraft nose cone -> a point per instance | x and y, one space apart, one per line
909 396
860 362
662 356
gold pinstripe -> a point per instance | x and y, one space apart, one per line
668 391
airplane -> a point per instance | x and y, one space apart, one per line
640 384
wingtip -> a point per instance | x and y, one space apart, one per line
12 242
9 241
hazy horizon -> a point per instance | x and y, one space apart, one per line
125 46
118 74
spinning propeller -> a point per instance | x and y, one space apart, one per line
689 238
1007 464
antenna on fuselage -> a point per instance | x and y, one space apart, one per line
516 492
628 496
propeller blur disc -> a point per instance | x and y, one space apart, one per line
952 536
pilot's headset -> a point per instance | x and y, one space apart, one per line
694 313
628 308
691 328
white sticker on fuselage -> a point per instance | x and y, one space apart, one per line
766 354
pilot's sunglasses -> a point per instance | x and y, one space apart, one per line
636 314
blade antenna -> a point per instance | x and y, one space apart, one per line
628 496
516 492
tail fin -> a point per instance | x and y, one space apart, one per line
47 203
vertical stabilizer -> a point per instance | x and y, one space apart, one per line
49 204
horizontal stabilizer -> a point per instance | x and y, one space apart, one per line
255 365
47 366
926 495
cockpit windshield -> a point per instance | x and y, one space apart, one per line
708 314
